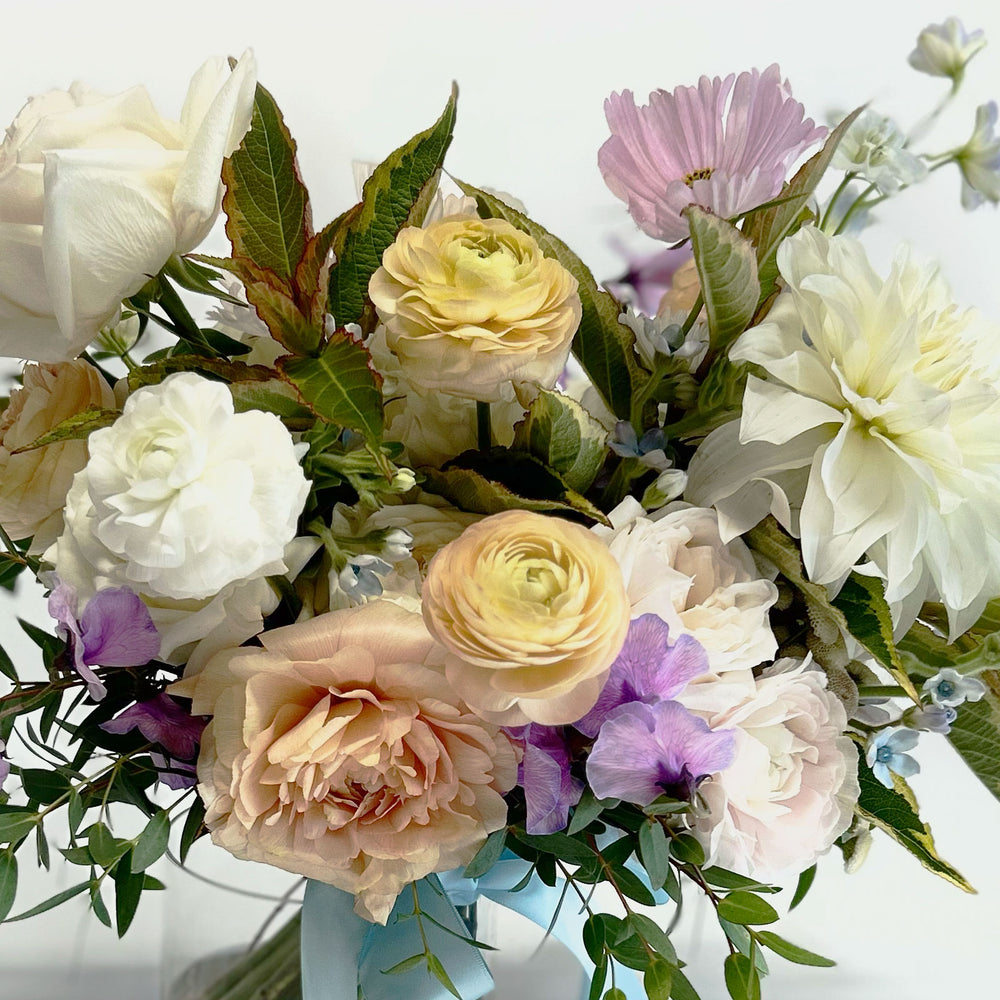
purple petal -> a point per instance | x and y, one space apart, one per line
116 630
162 720
644 751
4 763
62 606
175 774
648 668
550 789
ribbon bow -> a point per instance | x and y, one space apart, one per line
344 956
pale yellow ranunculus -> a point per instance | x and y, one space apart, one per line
533 612
472 304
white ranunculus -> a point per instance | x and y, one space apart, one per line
675 565
875 148
791 788
182 497
875 435
96 194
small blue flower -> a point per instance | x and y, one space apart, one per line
649 449
931 718
886 753
949 688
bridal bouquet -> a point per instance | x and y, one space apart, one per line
427 568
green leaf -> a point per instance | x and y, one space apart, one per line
630 951
657 980
437 970
128 891
632 886
283 317
603 345
79 425
730 880
105 848
792 952
97 904
654 935
593 938
560 845
975 734
561 434
16 822
51 902
266 203
340 386
895 811
194 827
152 842
742 907
682 989
803 886
862 602
742 980
615 994
42 847
727 270
598 979
8 882
7 667
586 811
408 963
654 852
687 850
386 203
498 480
768 228
10 569
43 786
487 855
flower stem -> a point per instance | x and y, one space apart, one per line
484 429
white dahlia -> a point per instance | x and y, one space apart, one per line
874 433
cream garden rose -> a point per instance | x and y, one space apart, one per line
470 305
340 752
791 788
34 484
97 192
533 612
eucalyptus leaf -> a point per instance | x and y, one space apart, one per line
585 812
8 882
487 855
152 842
803 886
657 980
654 852
792 952
51 902
128 891
743 907
742 980
16 822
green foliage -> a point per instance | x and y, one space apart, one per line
654 852
895 811
791 952
803 886
76 427
562 435
743 907
742 979
975 733
152 842
386 205
727 270
8 882
266 204
603 345
487 855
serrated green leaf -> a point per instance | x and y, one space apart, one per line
768 228
266 203
386 202
73 428
152 842
284 319
51 902
16 822
803 886
8 882
727 270
895 811
128 891
862 602
742 907
654 852
975 733
340 386
560 433
792 952
742 980
487 855
657 980
603 345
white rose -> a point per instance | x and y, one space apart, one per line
676 566
96 194
791 789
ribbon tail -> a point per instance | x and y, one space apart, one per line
332 938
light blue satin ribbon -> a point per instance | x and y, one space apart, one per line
341 951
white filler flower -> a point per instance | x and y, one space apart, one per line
184 495
875 435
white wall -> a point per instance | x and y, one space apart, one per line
356 80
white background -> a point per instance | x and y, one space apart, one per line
355 80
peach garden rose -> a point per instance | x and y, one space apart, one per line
339 751
533 611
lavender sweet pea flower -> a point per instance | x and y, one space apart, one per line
164 721
115 630
549 787
645 751
647 669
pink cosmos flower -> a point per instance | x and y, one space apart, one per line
677 151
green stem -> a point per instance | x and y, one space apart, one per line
859 203
841 188
484 429
881 691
